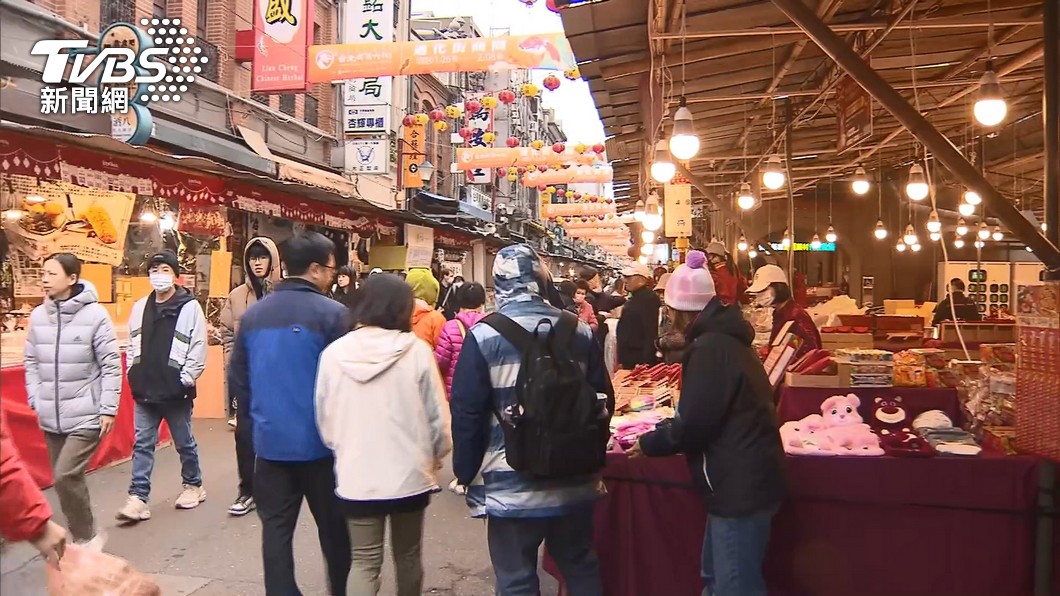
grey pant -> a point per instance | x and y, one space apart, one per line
69 456
366 540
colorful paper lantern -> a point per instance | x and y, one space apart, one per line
550 189
502 171
599 148
559 147
441 125
580 148
512 177
542 168
529 90
561 193
515 170
453 111
422 119
408 120
551 82
513 142
489 137
437 115
464 132
472 106
572 74
537 144
520 170
507 96
489 102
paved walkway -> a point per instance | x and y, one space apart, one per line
205 552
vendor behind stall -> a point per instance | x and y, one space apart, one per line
956 305
770 287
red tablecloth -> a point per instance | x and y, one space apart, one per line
28 436
865 526
798 402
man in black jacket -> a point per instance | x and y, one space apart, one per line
727 427
638 327
958 303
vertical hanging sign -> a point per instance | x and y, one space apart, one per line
677 214
282 33
481 126
366 101
412 155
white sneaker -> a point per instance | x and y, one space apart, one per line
134 511
232 422
191 497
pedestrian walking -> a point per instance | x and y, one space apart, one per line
167 354
529 500
26 515
426 321
261 268
273 373
73 382
638 326
471 301
381 407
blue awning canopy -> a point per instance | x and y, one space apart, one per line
449 208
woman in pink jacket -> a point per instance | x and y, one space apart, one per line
471 299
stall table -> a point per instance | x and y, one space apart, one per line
27 435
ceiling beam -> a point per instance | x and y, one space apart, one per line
941 23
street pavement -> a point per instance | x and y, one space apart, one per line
205 552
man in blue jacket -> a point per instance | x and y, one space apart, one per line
272 374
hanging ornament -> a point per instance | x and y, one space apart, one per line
572 74
577 196
409 120
512 177
506 96
512 142
559 147
599 148
453 111
472 106
529 90
464 132
422 119
502 171
561 192
437 115
441 125
489 137
520 170
537 144
542 168
489 102
580 148
551 82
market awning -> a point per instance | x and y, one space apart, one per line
442 206
288 169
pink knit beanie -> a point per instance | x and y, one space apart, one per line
690 287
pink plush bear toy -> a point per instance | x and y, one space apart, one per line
843 425
805 437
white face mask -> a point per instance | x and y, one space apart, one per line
765 298
161 282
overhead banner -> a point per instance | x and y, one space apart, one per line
503 157
569 175
596 223
598 233
283 30
677 214
412 155
337 62
577 210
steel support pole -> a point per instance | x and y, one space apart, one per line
944 151
1051 120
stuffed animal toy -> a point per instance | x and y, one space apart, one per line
804 437
845 428
890 420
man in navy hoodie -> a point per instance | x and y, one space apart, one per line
272 374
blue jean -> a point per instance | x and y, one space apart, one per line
148 418
733 551
514 542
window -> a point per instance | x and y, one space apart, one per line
317 34
158 9
116 11
211 68
201 11
312 110
287 103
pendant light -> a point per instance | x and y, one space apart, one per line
860 185
881 230
647 237
966 209
652 214
997 235
962 228
984 232
990 108
647 249
830 235
662 167
745 200
972 198
684 144
958 242
915 247
900 247
773 175
979 244
910 235
916 188
815 243
638 211
935 236
752 253
786 240
741 245
933 224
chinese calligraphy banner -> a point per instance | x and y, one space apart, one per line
412 153
282 32
503 157
338 62
569 175
479 124
678 212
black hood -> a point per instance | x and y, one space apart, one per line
727 320
171 307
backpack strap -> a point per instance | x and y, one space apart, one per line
510 330
463 329
563 332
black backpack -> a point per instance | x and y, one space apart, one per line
558 426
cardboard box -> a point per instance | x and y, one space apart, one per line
835 341
797 380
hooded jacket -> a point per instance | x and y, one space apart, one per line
167 347
73 367
381 407
247 293
484 383
725 421
451 342
427 323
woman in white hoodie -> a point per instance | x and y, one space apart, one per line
381 407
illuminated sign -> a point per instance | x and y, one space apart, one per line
804 247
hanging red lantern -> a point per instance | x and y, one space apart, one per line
577 196
409 120
559 147
472 106
521 170
599 148
507 96
437 115
551 82
542 169
513 142
465 133
542 187
502 171
561 192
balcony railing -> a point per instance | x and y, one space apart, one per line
116 11
212 69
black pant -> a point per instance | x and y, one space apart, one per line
280 489
245 460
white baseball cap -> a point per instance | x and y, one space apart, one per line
637 268
765 275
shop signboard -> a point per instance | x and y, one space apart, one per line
677 211
369 155
368 21
373 119
337 62
853 113
419 242
479 123
412 155
282 33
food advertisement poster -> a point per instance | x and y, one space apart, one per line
60 217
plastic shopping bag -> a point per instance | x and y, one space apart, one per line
85 572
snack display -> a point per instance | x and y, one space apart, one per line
864 355
998 356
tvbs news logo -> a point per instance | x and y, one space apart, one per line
128 66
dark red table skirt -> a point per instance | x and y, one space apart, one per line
864 526
796 403
29 438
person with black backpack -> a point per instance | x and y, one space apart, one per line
531 405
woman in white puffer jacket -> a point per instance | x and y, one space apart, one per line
73 381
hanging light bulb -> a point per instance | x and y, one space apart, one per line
860 185
997 235
662 167
933 223
652 214
990 108
643 260
752 253
829 234
773 175
148 217
900 247
881 230
684 143
910 235
647 249
979 244
916 188
815 243
1029 249
167 223
745 199
958 242
786 240
962 228
647 237
741 245
915 247
984 232
935 236
1045 228
972 198
966 209
638 211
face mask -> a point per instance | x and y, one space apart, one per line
765 298
161 282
